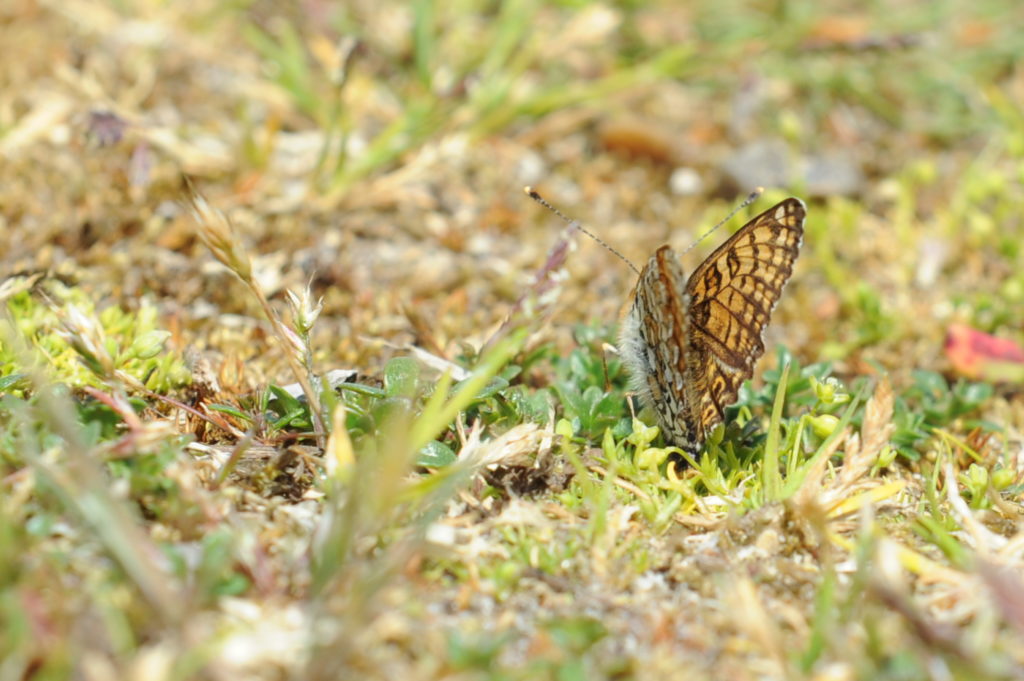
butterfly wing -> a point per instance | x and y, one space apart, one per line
653 339
731 298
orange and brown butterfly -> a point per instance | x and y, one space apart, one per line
690 343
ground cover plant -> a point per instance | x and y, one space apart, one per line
296 383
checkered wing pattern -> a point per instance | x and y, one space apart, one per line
690 344
732 295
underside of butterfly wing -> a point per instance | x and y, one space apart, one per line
653 344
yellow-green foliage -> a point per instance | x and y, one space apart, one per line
130 338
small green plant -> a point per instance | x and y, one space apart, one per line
82 348
931 403
590 387
979 483
474 653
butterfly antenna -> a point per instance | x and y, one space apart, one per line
575 224
746 202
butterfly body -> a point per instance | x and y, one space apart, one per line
690 343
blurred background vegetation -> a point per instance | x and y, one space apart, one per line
164 510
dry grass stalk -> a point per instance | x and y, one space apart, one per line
216 232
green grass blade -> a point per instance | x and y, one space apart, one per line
771 478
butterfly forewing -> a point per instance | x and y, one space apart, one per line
732 295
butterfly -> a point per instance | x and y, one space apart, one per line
689 344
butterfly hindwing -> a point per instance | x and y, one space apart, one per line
653 341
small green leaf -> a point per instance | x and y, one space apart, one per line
149 344
493 387
930 383
401 377
974 394
232 411
362 389
285 400
6 382
435 454
575 634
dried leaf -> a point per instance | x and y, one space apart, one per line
979 355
